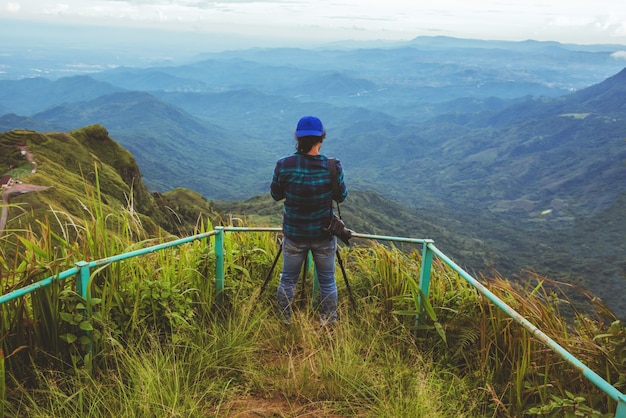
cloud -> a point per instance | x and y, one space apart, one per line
560 20
13 7
201 4
619 55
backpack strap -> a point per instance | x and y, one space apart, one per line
334 183
333 177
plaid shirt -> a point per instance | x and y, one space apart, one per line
304 182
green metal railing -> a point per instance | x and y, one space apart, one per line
82 274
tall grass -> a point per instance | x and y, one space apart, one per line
242 363
3 390
164 348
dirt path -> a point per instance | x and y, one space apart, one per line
249 407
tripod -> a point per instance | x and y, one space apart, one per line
341 266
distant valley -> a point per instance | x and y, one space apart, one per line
516 149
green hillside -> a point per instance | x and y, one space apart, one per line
80 168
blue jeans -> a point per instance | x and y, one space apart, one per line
294 254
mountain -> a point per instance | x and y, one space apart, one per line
444 61
31 95
149 80
564 154
606 97
536 184
395 79
269 118
11 121
211 75
331 84
173 148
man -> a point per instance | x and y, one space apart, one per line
303 180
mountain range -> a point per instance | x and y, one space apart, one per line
510 154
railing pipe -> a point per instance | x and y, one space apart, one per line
73 271
250 229
593 377
151 249
395 239
17 293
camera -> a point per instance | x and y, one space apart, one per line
338 228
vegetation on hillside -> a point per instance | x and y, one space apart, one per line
162 346
77 166
151 338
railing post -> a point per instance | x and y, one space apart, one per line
621 407
424 285
219 264
82 288
82 279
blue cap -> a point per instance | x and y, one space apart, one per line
309 126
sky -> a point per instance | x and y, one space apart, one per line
292 21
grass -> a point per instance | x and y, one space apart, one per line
164 349
242 363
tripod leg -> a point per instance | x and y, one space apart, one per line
345 278
269 274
